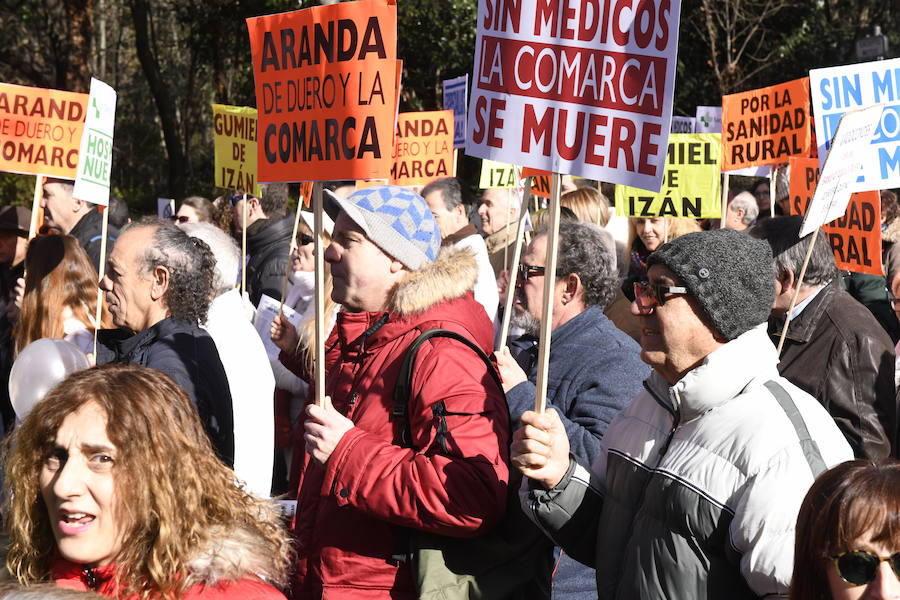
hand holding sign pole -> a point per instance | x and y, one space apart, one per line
842 167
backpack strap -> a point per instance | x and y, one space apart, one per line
403 387
809 446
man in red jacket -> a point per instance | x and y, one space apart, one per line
361 486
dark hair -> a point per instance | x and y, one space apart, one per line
274 200
846 502
889 207
191 267
451 193
783 233
203 207
583 252
118 212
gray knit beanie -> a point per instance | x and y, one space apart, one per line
397 220
728 272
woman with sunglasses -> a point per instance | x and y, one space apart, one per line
848 534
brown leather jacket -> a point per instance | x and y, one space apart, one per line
836 351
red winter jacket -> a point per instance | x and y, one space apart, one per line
75 576
349 510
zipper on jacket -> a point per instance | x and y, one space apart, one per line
90 580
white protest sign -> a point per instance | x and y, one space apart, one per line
577 88
262 322
709 119
165 208
95 154
683 124
836 90
847 156
456 91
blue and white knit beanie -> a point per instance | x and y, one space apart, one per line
398 221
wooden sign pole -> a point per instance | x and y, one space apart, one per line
772 189
321 317
514 267
293 246
799 282
540 398
244 249
104 228
726 180
36 205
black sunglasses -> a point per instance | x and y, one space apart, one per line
306 239
650 295
860 567
528 271
179 219
235 198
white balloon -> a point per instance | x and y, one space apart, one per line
39 367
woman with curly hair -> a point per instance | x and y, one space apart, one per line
848 534
113 486
60 296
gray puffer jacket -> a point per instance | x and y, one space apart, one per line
698 485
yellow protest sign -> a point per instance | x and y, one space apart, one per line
234 136
690 183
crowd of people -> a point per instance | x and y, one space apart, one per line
683 452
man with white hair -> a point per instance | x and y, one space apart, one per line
742 212
244 357
498 210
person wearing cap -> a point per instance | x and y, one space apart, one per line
268 239
698 484
15 222
363 483
452 214
834 348
76 217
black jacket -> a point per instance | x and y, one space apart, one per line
836 351
87 231
268 244
187 354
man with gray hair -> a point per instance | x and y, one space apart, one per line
498 212
243 355
834 348
444 198
742 212
158 286
594 367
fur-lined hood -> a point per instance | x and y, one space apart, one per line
892 232
449 277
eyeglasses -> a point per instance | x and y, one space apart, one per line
648 295
306 239
235 198
179 219
860 567
528 271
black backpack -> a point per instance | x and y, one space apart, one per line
513 560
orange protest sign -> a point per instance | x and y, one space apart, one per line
325 85
855 237
40 130
766 126
306 189
423 150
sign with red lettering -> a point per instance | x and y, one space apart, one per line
40 130
856 236
582 88
325 86
423 148
765 126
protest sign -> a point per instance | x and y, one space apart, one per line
95 152
836 90
423 148
683 124
845 159
501 175
456 92
325 85
765 126
575 88
40 130
234 141
856 236
165 208
691 183
709 119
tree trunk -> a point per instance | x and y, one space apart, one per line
165 105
